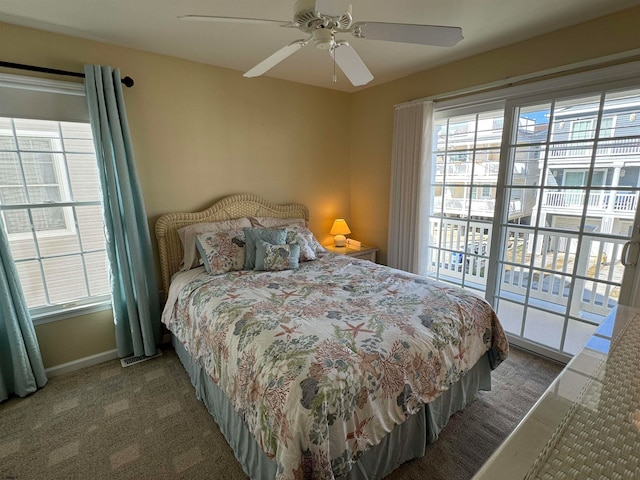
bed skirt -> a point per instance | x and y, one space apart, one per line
405 442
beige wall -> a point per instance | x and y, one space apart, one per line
372 109
201 133
76 337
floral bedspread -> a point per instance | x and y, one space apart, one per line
323 362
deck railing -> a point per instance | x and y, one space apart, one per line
463 249
598 201
543 268
605 148
479 207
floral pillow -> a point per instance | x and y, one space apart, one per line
275 236
222 252
191 258
275 258
309 246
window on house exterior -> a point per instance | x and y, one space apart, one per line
51 207
584 129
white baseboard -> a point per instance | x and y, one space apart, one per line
81 363
90 360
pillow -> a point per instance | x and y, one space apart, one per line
191 257
302 236
275 236
271 222
275 258
222 251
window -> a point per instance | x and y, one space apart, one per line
584 129
578 178
466 149
51 207
31 165
547 249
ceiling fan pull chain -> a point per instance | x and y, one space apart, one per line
335 78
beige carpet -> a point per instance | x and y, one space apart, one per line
144 422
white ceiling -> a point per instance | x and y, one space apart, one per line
152 25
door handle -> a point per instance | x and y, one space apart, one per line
625 253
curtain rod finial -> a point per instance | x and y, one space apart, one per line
128 82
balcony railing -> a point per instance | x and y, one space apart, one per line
607 147
598 201
479 207
459 253
464 169
463 250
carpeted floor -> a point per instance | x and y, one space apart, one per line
144 422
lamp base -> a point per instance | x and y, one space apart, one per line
340 240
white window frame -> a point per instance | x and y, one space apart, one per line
592 124
456 260
61 172
455 103
75 110
585 173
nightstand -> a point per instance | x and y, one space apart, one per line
365 252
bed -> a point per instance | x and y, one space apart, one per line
340 368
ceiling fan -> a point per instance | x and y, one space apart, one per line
322 20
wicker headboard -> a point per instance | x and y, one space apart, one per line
229 208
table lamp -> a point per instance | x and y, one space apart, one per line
340 229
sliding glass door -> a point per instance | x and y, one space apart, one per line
463 186
562 267
535 206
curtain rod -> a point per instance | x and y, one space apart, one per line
126 81
576 67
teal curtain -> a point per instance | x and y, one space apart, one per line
134 288
21 368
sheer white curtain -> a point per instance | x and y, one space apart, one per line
410 186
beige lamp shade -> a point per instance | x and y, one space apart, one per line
340 229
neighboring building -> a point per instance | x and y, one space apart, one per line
610 209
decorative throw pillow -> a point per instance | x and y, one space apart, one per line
275 236
223 251
276 258
272 222
302 236
315 244
191 257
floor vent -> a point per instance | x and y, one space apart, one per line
127 362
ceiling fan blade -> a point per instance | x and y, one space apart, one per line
271 61
351 64
333 8
409 33
255 21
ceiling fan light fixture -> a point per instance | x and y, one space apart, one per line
324 39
